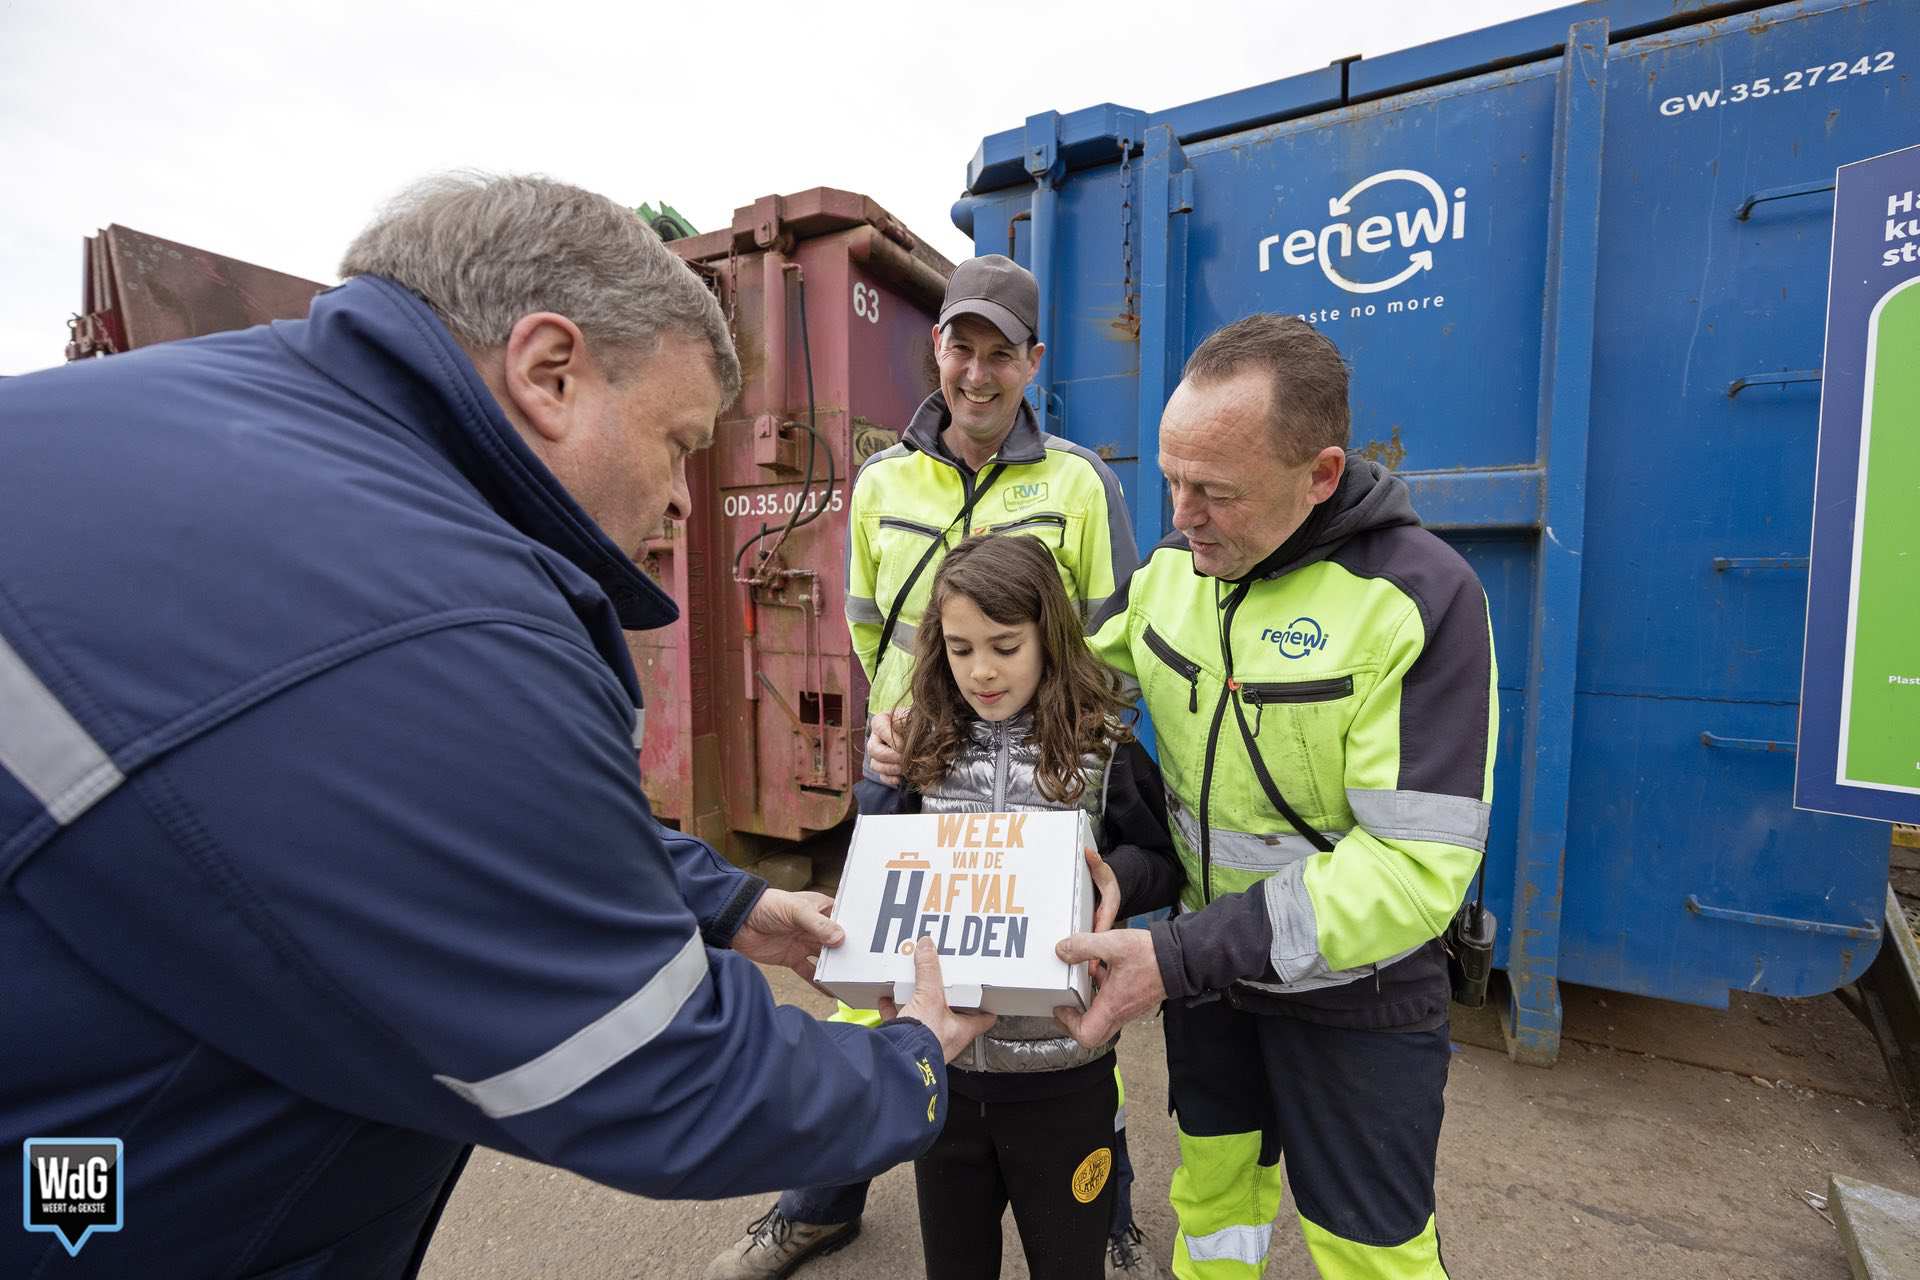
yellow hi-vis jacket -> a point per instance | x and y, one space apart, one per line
1357 660
908 496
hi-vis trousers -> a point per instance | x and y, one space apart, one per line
1356 1116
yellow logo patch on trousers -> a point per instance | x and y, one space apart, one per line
1091 1176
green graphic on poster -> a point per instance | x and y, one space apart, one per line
1880 731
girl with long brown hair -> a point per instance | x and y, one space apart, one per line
1011 712
1075 701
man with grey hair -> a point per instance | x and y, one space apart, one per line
324 848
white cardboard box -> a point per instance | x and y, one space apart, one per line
995 892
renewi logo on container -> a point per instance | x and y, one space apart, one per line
1424 218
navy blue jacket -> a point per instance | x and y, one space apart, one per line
323 852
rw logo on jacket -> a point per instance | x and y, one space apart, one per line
1019 497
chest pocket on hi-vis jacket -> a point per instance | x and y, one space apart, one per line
1298 726
898 545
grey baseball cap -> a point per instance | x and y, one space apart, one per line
999 291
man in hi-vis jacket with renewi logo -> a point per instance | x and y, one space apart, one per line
323 853
1319 670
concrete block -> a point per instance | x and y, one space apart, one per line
1879 1229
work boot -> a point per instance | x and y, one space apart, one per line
776 1246
1129 1259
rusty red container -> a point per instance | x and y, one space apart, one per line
138 289
756 706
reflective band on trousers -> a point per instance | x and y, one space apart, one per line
45 747
586 1053
1232 1244
1337 1258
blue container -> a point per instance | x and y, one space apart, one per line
1579 265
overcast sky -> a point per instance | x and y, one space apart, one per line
271 132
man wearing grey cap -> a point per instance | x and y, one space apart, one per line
972 460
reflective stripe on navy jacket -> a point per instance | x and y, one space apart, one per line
322 849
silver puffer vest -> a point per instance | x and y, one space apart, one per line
994 773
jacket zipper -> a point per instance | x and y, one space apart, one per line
967 479
1002 751
1328 690
911 526
1002 735
1213 739
966 498
1014 526
1183 665
1272 693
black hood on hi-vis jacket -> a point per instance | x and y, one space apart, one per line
1368 497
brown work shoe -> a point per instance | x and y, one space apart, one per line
776 1246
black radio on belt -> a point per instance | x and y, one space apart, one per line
1470 954
1469 944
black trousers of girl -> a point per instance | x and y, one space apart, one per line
1043 1141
